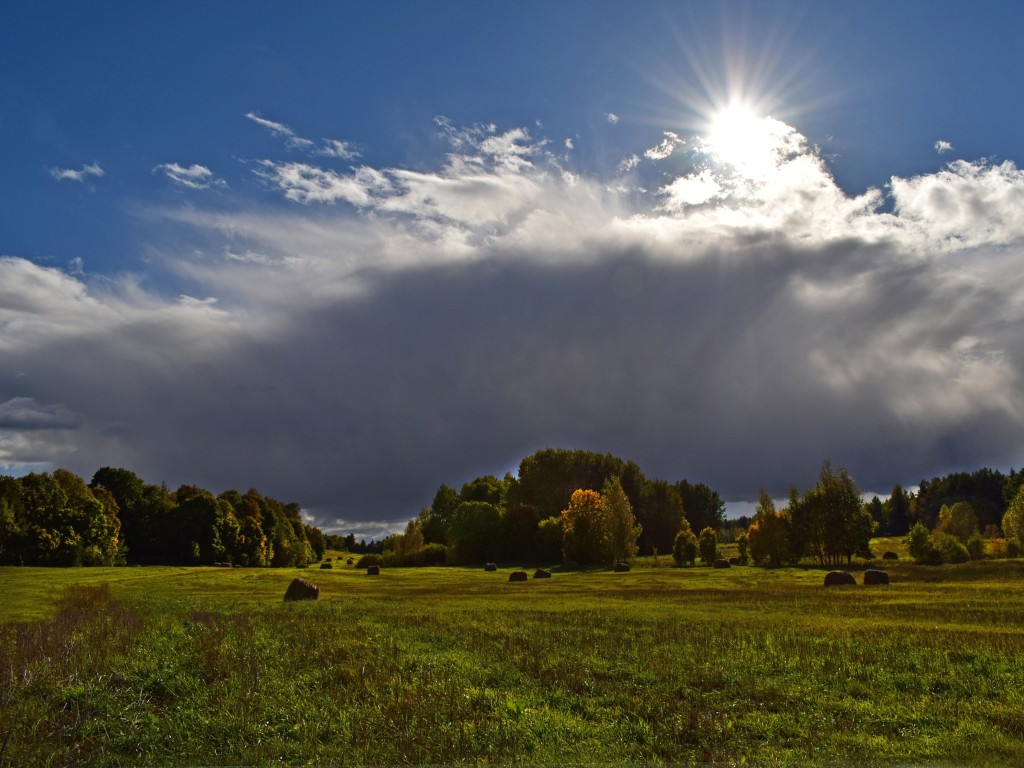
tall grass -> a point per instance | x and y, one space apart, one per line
455 666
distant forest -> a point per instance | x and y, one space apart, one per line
536 517
524 519
57 519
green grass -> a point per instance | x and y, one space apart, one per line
172 666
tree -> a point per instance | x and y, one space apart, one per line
704 508
685 547
660 515
769 533
898 512
1013 520
549 540
829 520
920 546
743 547
708 544
475 532
585 535
623 530
958 520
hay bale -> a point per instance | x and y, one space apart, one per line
734 561
373 570
349 561
874 576
721 563
890 556
518 576
325 566
490 566
300 589
839 579
622 567
542 573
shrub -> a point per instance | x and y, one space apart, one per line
976 546
743 545
708 544
367 560
1013 547
949 547
920 546
684 549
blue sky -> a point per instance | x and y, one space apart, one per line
345 252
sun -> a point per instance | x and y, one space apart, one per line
738 137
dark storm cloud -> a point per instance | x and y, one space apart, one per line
354 362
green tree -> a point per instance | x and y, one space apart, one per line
830 521
685 547
920 546
623 530
898 513
703 507
958 520
475 532
549 540
708 544
660 515
743 547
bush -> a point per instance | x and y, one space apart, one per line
684 549
1014 547
708 544
743 545
367 560
949 547
976 546
920 546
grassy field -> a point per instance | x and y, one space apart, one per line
193 666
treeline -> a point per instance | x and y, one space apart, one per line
59 520
521 518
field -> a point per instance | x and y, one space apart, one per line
192 666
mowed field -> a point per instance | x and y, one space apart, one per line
202 666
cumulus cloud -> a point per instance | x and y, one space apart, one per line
611 117
343 150
80 174
736 325
194 176
942 146
24 413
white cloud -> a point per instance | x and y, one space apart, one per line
668 145
194 176
943 146
611 117
569 144
282 131
79 175
343 150
629 163
305 183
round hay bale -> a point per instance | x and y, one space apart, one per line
890 556
518 576
734 561
542 573
874 576
300 589
622 567
839 579
373 570
326 566
349 561
490 566
721 563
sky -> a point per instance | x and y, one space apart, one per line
346 252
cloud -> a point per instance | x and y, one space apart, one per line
281 131
667 146
734 325
611 117
23 413
80 175
343 150
194 176
943 146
